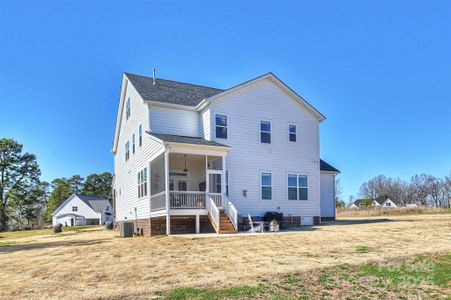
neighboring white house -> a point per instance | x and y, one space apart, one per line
359 203
208 157
80 210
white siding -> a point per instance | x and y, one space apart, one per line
83 210
205 131
327 195
174 121
126 173
248 157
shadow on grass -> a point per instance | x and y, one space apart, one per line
358 222
24 247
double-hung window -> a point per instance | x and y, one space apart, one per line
142 183
265 132
266 185
127 150
127 109
133 143
221 126
297 187
292 132
140 135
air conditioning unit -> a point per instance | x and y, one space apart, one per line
127 229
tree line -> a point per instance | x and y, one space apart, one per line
25 200
423 189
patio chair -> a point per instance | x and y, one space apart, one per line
256 226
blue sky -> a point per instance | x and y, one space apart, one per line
379 71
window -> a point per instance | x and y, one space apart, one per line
127 109
221 126
227 182
265 132
74 208
133 143
140 135
127 151
297 187
266 185
292 132
142 183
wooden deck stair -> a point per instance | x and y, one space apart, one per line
225 225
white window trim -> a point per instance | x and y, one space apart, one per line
140 135
228 128
297 186
127 149
260 184
289 133
128 105
260 131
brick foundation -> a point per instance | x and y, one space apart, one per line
316 220
291 221
328 219
179 225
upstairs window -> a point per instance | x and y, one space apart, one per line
127 109
133 143
221 126
74 208
297 187
265 132
140 135
142 183
266 185
127 151
292 132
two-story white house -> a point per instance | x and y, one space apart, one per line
190 158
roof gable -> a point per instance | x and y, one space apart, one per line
278 83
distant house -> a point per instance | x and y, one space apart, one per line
359 203
80 210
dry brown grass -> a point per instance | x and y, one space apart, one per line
98 264
382 211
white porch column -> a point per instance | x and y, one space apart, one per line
166 187
223 179
207 178
197 223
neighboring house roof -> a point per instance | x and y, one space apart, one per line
360 201
169 91
324 166
180 139
96 203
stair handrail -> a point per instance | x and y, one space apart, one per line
230 211
213 210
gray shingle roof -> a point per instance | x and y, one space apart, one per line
324 166
96 203
169 91
185 139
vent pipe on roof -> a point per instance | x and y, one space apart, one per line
153 76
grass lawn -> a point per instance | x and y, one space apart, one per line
39 232
358 258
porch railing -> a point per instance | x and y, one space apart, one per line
217 199
158 201
213 212
231 211
187 199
